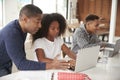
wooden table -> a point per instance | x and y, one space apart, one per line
103 33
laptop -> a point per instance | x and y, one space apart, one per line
86 58
113 48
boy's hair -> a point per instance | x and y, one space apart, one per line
30 10
91 17
46 22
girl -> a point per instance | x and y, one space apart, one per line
47 41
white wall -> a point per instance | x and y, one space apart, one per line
10 11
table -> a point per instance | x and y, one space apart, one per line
103 33
109 71
33 75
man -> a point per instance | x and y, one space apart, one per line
12 38
85 35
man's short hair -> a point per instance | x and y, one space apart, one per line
91 17
30 10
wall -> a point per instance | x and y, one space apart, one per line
101 8
10 11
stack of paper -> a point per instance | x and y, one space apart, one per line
72 76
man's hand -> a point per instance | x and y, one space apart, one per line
58 64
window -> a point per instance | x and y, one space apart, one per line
62 7
1 15
51 6
21 3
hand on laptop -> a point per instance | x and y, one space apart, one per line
72 64
58 64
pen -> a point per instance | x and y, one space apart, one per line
52 76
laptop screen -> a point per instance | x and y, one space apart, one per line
87 58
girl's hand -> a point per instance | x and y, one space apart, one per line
72 64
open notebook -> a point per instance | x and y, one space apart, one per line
87 58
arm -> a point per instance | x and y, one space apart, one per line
15 49
56 64
72 55
68 52
14 43
41 56
83 41
52 63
